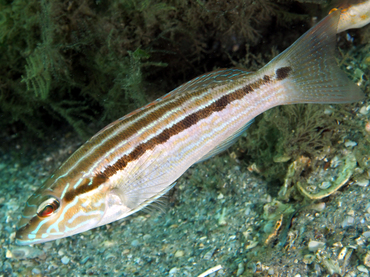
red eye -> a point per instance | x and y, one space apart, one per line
48 210
48 207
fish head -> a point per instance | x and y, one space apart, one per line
62 207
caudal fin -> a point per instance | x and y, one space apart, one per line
308 70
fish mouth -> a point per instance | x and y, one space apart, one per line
22 242
20 235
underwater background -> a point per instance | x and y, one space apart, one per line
290 198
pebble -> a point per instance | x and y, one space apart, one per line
362 268
173 271
221 219
318 206
363 110
328 111
8 254
85 260
342 253
109 256
208 255
240 270
179 253
36 271
220 196
147 237
362 183
348 221
367 259
350 143
367 216
24 252
135 243
65 260
313 245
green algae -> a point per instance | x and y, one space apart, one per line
74 63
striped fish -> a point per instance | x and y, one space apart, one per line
354 14
136 159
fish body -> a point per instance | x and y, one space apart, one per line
136 159
354 14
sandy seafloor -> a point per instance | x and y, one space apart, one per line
185 236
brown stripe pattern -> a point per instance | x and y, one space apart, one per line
167 133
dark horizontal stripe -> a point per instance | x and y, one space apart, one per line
151 113
85 187
180 126
165 135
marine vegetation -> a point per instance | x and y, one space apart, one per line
85 63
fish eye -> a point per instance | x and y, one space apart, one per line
48 207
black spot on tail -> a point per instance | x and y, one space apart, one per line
283 72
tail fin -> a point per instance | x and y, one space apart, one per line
308 69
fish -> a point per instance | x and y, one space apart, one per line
354 14
138 158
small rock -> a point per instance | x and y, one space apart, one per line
65 260
342 253
84 260
222 217
240 270
367 259
147 237
366 234
350 143
25 252
348 221
220 196
362 268
36 271
173 271
313 245
179 253
8 254
363 110
328 111
208 255
135 243
318 206
367 216
362 183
